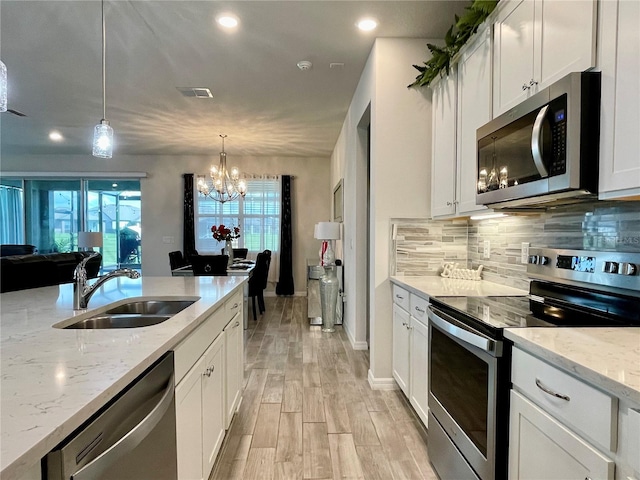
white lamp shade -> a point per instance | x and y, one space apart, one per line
327 231
89 239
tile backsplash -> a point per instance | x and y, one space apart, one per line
419 247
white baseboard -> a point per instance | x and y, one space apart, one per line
354 344
381 383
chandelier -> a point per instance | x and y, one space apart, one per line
223 185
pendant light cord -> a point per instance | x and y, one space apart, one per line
104 61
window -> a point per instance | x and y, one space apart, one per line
11 212
49 213
257 215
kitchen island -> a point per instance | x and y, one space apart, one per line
55 379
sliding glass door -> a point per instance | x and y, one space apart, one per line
113 208
52 209
49 213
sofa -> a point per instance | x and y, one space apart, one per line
19 272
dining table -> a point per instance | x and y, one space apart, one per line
241 267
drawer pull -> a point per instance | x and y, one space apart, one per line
235 305
237 324
420 310
400 297
209 371
548 391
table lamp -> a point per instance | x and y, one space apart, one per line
329 283
327 232
88 240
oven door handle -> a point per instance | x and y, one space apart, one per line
536 143
454 328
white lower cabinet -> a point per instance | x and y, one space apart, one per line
401 323
189 424
213 412
234 366
541 447
209 370
200 414
411 349
560 427
419 369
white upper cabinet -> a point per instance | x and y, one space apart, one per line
443 171
474 110
620 105
536 43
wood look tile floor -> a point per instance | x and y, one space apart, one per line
308 411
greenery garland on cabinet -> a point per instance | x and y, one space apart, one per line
465 26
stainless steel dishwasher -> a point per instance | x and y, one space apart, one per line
134 437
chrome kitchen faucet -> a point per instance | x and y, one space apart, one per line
82 292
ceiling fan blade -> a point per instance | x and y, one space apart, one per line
16 112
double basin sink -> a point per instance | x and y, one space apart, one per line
139 313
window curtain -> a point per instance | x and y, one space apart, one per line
188 231
11 208
285 283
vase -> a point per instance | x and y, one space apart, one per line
228 250
329 289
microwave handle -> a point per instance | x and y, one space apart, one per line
536 142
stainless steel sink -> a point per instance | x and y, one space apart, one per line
120 320
141 313
152 307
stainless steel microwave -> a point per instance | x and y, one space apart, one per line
545 150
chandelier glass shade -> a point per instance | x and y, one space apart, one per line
103 133
222 184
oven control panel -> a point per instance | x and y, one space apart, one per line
613 269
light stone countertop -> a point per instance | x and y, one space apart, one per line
52 380
608 358
436 286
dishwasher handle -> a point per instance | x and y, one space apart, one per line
131 440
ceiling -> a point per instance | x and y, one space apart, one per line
261 100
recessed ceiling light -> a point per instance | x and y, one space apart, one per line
55 136
367 24
227 20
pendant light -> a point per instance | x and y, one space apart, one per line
3 87
103 133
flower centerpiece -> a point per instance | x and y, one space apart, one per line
224 234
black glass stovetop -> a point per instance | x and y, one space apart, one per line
548 305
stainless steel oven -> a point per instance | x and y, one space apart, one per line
465 368
543 150
470 361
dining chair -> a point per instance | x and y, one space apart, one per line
176 260
238 252
258 281
204 265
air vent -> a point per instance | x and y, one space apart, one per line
195 92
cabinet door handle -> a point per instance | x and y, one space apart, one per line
548 391
418 309
525 87
235 305
237 323
532 82
449 204
209 371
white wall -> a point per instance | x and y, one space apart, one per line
400 153
162 196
